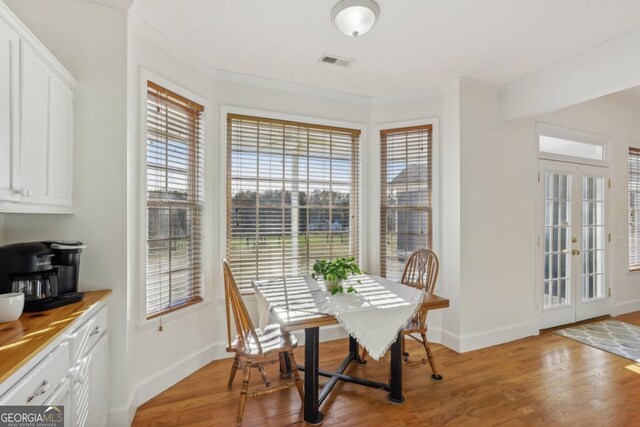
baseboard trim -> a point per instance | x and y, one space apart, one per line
450 340
166 378
496 336
625 307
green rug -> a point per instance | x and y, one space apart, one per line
616 337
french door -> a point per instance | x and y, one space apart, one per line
572 284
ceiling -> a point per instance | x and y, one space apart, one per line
123 4
416 44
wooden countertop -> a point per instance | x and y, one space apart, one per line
24 338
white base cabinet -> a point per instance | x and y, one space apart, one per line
36 123
72 375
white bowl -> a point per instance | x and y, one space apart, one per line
11 306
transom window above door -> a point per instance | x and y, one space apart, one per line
558 143
292 196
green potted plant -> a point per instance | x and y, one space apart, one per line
335 273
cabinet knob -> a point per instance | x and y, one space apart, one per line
95 331
22 192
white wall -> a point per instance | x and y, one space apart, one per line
607 68
486 184
615 116
497 220
498 200
90 40
193 338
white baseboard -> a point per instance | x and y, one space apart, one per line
625 307
171 375
450 340
164 379
495 336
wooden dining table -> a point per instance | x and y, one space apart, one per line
291 303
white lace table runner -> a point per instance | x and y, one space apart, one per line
373 316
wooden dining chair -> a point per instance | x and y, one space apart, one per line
253 349
420 271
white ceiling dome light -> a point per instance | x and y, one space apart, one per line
355 17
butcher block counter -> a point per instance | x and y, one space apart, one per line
27 337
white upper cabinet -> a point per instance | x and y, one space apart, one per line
36 123
9 72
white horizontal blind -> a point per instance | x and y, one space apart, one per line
292 196
634 208
405 200
174 201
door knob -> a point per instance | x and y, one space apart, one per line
575 252
574 239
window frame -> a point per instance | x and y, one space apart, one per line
140 207
376 185
555 131
222 165
631 267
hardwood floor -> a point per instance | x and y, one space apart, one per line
543 380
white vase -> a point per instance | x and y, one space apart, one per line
332 284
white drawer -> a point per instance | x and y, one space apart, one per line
87 335
36 387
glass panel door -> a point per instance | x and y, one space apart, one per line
573 282
557 227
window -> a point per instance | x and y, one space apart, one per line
292 196
174 201
566 147
406 186
634 209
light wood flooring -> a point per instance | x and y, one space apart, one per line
543 380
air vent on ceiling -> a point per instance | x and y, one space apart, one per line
335 60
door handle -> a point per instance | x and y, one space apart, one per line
575 252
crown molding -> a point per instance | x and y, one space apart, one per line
233 77
148 32
407 96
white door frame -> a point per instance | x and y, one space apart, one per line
576 169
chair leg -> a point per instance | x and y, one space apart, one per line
432 361
283 365
405 355
296 375
264 376
234 368
243 393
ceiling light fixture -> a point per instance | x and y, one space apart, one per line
355 17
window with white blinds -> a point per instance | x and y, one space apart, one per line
292 196
405 200
174 201
634 209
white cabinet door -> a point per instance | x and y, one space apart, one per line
34 128
98 383
60 142
9 91
89 389
61 399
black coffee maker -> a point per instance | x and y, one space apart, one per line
47 272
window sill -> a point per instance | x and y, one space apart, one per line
632 269
154 322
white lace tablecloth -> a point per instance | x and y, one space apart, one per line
373 316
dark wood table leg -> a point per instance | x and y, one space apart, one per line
312 414
395 380
354 349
